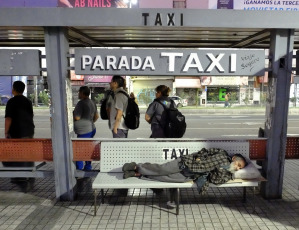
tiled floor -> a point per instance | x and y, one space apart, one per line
35 207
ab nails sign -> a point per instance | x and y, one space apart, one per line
190 62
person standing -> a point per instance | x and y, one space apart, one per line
226 103
117 107
154 112
85 115
19 119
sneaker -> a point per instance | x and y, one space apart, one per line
87 166
129 166
128 174
79 165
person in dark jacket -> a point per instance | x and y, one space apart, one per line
214 164
19 121
154 112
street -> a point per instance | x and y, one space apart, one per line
198 126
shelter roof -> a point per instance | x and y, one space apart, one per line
103 27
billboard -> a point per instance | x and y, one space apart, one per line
244 4
66 3
20 62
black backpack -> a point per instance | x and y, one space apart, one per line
132 117
174 121
103 111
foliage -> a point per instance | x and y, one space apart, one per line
31 97
214 98
98 98
145 99
44 97
263 98
293 100
233 98
246 100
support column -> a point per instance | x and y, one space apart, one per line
281 52
57 48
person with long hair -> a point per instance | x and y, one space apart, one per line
154 111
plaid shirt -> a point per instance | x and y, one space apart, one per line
206 160
208 166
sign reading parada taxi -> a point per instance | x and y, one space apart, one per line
170 62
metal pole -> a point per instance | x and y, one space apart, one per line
57 49
281 50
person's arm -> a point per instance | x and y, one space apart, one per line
7 126
117 120
96 117
150 112
77 118
77 111
148 118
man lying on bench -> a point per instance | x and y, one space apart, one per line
213 165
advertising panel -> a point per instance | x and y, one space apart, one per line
170 62
96 78
244 4
206 80
65 3
16 62
92 3
217 94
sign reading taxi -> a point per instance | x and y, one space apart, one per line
192 62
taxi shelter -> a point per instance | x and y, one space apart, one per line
58 29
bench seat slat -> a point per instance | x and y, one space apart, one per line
116 181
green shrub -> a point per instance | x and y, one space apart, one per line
44 97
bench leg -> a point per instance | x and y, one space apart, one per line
95 202
177 201
102 195
253 203
244 195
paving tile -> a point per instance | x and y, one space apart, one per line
143 209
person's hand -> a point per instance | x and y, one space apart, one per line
115 130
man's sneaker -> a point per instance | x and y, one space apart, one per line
79 165
87 168
128 174
129 166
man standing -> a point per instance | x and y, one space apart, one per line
85 114
226 104
19 119
118 106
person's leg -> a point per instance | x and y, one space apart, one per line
168 168
175 178
88 166
121 133
80 164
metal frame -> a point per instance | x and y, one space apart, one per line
57 20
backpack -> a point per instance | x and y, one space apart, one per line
103 110
132 117
174 120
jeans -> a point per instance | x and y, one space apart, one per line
79 164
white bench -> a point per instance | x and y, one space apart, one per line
115 153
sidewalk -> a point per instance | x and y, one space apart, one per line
37 208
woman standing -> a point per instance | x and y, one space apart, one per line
154 112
